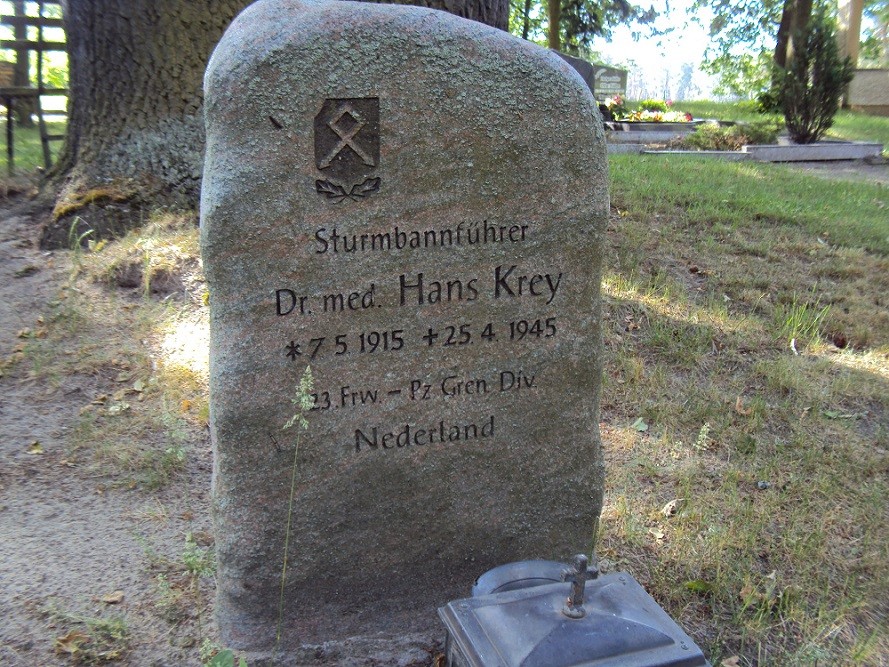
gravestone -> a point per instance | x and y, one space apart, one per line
413 205
608 82
604 82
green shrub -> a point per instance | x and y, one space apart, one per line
712 137
814 81
760 132
652 105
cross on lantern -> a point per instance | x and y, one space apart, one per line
578 576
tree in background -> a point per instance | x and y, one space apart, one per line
578 21
814 79
743 75
135 126
685 87
135 130
875 38
741 34
748 36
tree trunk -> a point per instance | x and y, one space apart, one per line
802 13
783 37
554 18
795 16
526 20
491 12
135 129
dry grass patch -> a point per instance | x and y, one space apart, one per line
746 422
130 326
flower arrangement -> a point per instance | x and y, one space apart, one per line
647 111
616 106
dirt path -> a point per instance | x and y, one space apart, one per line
68 537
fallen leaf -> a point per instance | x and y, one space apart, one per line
699 586
71 642
835 414
119 395
740 409
101 399
26 271
734 661
139 386
24 333
185 405
639 425
117 408
123 377
35 448
113 598
673 507
657 533
67 463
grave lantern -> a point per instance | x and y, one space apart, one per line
542 614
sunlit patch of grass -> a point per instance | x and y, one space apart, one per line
779 456
184 363
28 148
145 358
155 258
739 195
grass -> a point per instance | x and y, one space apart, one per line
778 555
848 125
726 198
116 322
89 640
28 149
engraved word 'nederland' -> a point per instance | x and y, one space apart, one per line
347 148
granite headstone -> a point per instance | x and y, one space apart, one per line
608 82
411 204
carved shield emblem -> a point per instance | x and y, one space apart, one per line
347 147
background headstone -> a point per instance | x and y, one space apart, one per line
604 82
608 82
412 204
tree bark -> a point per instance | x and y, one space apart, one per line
783 37
554 18
135 129
795 16
491 12
802 13
526 20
